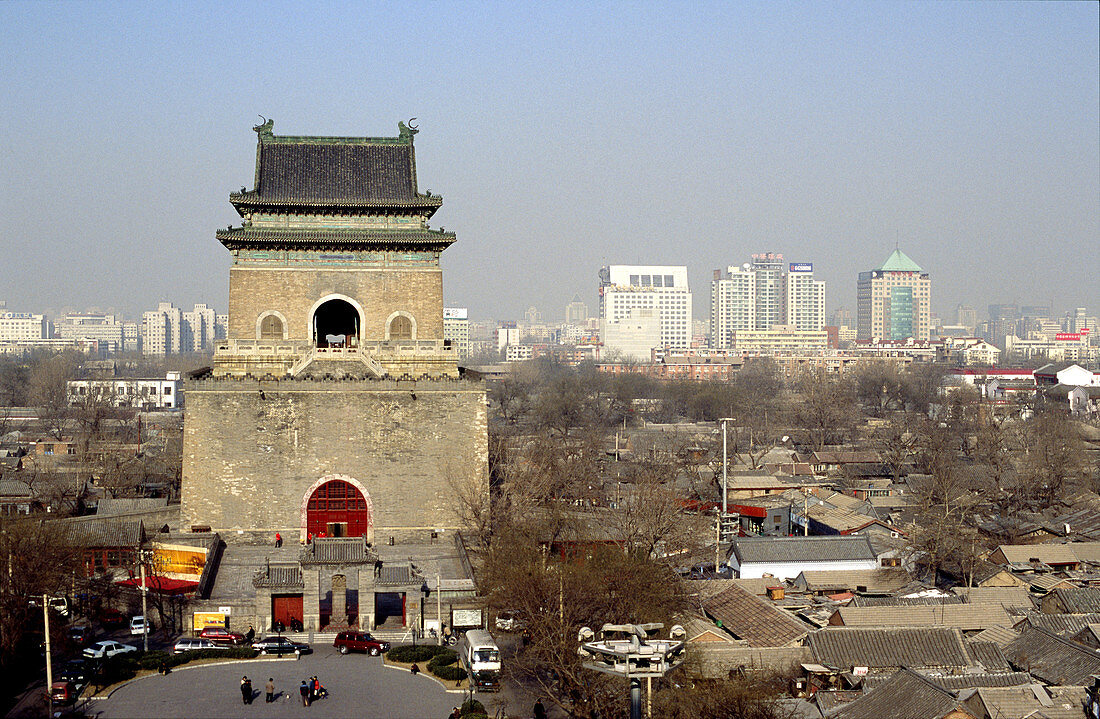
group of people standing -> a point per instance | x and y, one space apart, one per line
311 690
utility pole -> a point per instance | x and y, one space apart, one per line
144 609
725 491
717 543
49 662
438 610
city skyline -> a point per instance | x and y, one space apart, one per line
963 133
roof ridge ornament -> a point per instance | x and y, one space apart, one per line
406 131
265 129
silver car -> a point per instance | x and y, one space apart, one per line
103 650
195 644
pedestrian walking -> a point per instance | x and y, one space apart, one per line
278 540
250 634
269 688
246 690
540 710
304 691
455 714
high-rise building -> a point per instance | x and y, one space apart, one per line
20 326
966 316
576 312
198 330
161 330
894 301
105 328
456 330
762 294
625 290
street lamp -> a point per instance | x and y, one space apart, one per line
630 651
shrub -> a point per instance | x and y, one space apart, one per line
450 672
154 660
443 659
409 653
472 708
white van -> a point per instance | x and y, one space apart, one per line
481 655
138 626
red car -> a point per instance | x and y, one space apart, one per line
360 642
220 635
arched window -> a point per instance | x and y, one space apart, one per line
271 328
401 328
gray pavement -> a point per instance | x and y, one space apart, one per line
358 685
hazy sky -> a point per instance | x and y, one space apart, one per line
565 136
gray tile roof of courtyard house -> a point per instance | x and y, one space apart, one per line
803 549
872 581
1001 636
1064 625
99 532
898 601
126 505
967 617
955 682
894 647
906 695
279 576
1051 658
753 619
1075 600
1031 702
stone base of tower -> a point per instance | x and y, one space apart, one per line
374 458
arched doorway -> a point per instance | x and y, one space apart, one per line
336 324
337 509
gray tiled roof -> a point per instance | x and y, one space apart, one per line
108 506
1051 658
399 573
964 616
891 648
1033 702
753 619
906 695
342 550
1064 625
803 549
97 532
279 576
15 488
1078 600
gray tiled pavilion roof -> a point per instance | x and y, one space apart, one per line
239 237
97 532
803 549
338 172
279 576
342 550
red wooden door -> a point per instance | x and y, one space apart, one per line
284 608
337 502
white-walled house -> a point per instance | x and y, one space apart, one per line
144 394
787 557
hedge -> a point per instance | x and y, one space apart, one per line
473 709
409 653
449 672
154 660
443 659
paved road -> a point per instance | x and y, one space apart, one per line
358 685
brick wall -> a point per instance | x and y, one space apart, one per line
249 461
380 292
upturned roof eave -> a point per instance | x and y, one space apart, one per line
242 238
425 205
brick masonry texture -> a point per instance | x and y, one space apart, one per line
293 292
249 460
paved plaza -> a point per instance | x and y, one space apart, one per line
358 685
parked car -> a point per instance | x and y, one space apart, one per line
360 642
76 671
58 604
510 621
63 692
138 626
221 635
112 619
193 645
105 649
80 634
279 645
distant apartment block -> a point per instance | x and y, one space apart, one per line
893 302
167 330
120 336
762 294
456 330
638 294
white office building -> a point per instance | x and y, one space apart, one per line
762 294
627 292
23 326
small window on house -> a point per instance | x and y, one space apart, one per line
167 390
400 328
271 328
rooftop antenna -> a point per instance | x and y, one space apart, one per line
897 240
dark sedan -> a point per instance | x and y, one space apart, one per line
280 645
